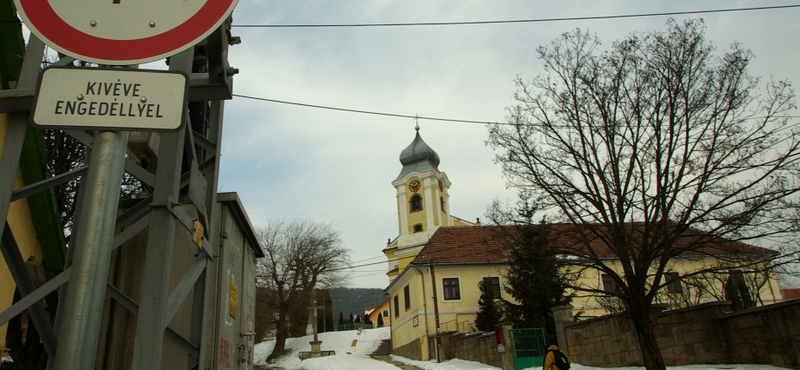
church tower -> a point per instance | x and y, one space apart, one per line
422 204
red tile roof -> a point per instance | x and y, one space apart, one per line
470 244
790 293
486 244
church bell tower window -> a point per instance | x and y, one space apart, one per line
416 203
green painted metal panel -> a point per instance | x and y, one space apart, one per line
12 47
44 211
528 347
33 161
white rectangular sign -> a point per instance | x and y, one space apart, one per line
117 99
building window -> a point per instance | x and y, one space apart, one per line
673 283
441 202
416 203
737 276
609 285
385 313
396 306
407 297
451 289
418 228
492 283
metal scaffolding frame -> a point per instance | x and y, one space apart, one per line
188 162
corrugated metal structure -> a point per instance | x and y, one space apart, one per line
229 300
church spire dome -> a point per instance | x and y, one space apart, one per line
418 157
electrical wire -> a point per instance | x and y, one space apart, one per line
370 264
408 116
517 21
474 252
369 259
395 115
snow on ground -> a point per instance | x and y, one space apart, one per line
454 364
349 357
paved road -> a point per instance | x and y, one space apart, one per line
381 354
266 367
386 358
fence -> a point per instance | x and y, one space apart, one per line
528 347
352 326
492 348
458 327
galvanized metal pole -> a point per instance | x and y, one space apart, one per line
152 318
83 305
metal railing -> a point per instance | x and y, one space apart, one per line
353 326
456 326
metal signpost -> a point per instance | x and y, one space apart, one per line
114 101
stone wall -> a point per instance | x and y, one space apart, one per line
607 340
761 335
705 334
480 347
411 350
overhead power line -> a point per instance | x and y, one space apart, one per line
395 115
516 21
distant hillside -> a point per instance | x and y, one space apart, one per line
353 300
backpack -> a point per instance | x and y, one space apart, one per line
560 360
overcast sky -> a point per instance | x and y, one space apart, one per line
291 162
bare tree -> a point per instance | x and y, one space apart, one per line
64 154
265 312
656 149
693 291
300 256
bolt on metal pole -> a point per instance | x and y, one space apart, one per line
80 329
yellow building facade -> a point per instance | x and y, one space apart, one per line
695 291
437 261
415 313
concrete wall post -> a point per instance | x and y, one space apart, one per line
507 355
562 316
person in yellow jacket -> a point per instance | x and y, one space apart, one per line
555 359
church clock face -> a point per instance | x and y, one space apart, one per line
414 185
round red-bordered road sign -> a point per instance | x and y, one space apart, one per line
120 32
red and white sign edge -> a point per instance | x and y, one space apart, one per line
40 17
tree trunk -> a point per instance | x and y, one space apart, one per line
643 324
299 322
281 334
298 315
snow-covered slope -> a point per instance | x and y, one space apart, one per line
347 355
